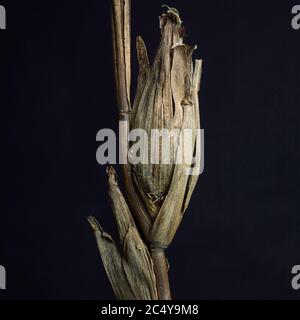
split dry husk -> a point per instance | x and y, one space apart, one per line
157 194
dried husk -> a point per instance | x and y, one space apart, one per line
112 262
167 98
138 266
131 273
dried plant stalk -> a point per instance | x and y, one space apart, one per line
157 195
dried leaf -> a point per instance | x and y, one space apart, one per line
194 95
144 69
119 205
136 259
138 267
112 262
170 215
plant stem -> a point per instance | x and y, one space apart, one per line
161 273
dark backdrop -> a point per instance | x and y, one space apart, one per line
241 234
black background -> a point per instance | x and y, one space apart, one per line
241 234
